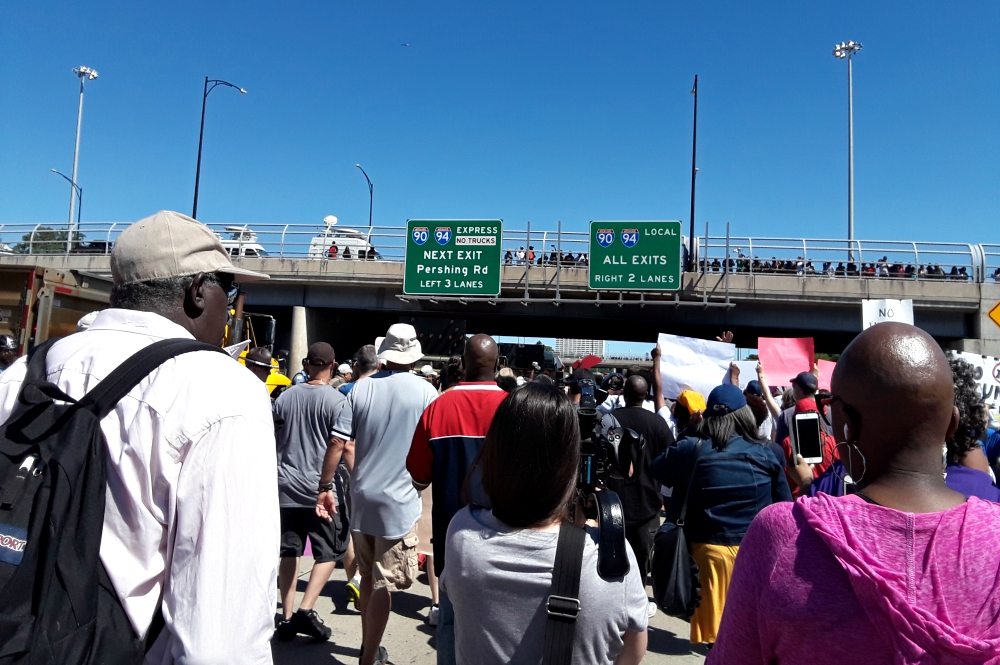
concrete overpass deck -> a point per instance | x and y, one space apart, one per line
555 302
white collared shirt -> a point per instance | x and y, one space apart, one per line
192 502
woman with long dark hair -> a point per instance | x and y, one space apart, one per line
500 560
730 476
968 470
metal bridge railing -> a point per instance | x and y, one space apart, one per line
858 259
991 262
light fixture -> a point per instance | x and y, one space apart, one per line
91 74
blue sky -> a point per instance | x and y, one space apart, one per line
518 110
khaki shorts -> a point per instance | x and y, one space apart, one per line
392 562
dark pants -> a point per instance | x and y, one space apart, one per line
640 537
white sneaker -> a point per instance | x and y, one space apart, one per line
651 610
432 616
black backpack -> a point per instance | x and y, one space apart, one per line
58 604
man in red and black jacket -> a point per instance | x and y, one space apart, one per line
447 440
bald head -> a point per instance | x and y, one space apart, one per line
896 396
636 390
481 354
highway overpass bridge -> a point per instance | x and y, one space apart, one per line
349 302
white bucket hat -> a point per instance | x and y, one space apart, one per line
400 345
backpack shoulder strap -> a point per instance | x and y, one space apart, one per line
563 604
687 490
102 399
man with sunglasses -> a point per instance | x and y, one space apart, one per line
191 526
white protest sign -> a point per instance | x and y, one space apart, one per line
687 363
987 376
881 311
748 372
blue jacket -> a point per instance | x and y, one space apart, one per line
730 487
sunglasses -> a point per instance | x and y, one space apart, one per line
227 283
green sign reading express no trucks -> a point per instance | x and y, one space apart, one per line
453 257
635 256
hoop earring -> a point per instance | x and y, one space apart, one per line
849 466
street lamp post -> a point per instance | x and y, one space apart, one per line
841 51
79 195
371 195
85 74
201 133
694 174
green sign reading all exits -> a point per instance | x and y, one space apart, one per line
635 256
453 257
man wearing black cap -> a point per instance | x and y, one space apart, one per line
309 411
804 386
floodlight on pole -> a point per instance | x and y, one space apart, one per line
84 74
841 51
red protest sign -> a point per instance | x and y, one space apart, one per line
784 357
826 368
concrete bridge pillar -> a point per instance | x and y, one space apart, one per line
300 339
987 332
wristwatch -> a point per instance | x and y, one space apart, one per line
326 487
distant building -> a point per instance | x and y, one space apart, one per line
578 348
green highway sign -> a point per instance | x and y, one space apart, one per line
635 256
453 257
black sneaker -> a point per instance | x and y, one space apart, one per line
308 623
285 631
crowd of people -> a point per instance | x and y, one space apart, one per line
522 256
363 254
881 269
882 550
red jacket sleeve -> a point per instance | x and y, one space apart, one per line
420 459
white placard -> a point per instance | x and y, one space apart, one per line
687 363
748 372
987 376
881 311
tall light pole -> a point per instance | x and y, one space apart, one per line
371 194
79 194
841 51
201 133
694 174
85 74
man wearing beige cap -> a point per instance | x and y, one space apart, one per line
191 518
380 417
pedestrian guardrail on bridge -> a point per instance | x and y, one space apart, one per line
858 259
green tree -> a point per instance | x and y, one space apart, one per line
46 240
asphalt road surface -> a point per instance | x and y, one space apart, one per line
410 641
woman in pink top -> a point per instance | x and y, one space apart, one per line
906 571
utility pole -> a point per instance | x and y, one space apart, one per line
85 73
694 174
201 133
841 51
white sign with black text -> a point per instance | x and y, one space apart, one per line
881 311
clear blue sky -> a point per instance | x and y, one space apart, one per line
517 110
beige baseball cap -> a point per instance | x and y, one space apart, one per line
170 244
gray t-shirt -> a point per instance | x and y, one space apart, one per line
381 415
499 578
309 412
